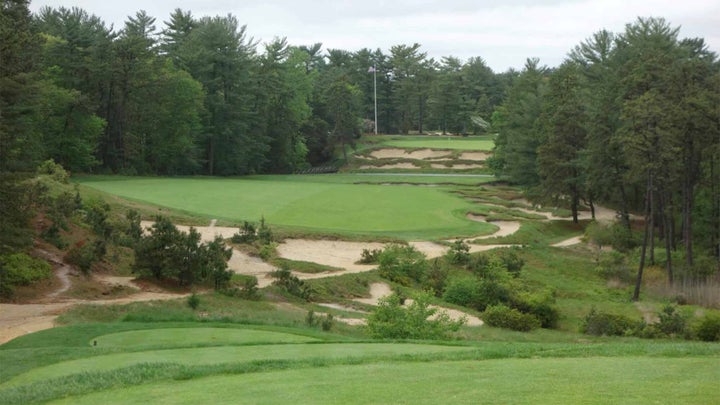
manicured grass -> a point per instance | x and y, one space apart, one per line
402 211
480 143
628 380
192 336
227 354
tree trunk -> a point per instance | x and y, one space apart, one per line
648 220
687 219
653 213
575 204
667 209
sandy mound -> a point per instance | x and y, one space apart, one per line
391 166
377 291
477 156
403 154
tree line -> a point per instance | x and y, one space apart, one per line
199 96
632 120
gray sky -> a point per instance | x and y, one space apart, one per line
503 33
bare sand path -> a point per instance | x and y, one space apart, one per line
575 240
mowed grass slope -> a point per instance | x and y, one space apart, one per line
399 211
471 143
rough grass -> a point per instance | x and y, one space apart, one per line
405 212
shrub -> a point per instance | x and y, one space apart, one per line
83 254
540 305
510 259
20 269
459 252
290 283
463 291
247 234
55 170
623 239
264 232
436 278
491 292
613 265
268 251
193 301
327 322
391 320
509 318
370 256
605 324
671 323
402 264
478 263
708 328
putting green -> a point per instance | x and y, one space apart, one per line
627 380
400 211
442 142
227 354
176 337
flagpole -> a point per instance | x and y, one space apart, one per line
375 91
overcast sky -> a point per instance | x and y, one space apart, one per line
503 33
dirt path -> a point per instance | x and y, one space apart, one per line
20 319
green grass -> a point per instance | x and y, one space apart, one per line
225 354
403 212
519 381
193 336
474 143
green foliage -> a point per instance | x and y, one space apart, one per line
463 291
510 260
325 322
168 253
671 322
459 252
19 269
250 233
436 277
614 265
85 253
539 304
290 283
370 256
606 324
402 264
193 301
391 320
54 170
708 328
510 318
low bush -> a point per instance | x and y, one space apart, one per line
391 320
459 252
540 305
708 328
463 291
671 323
193 301
20 269
436 277
402 264
614 265
502 316
370 256
511 260
290 283
606 324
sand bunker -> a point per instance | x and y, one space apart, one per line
380 290
456 166
403 154
477 156
328 252
390 166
